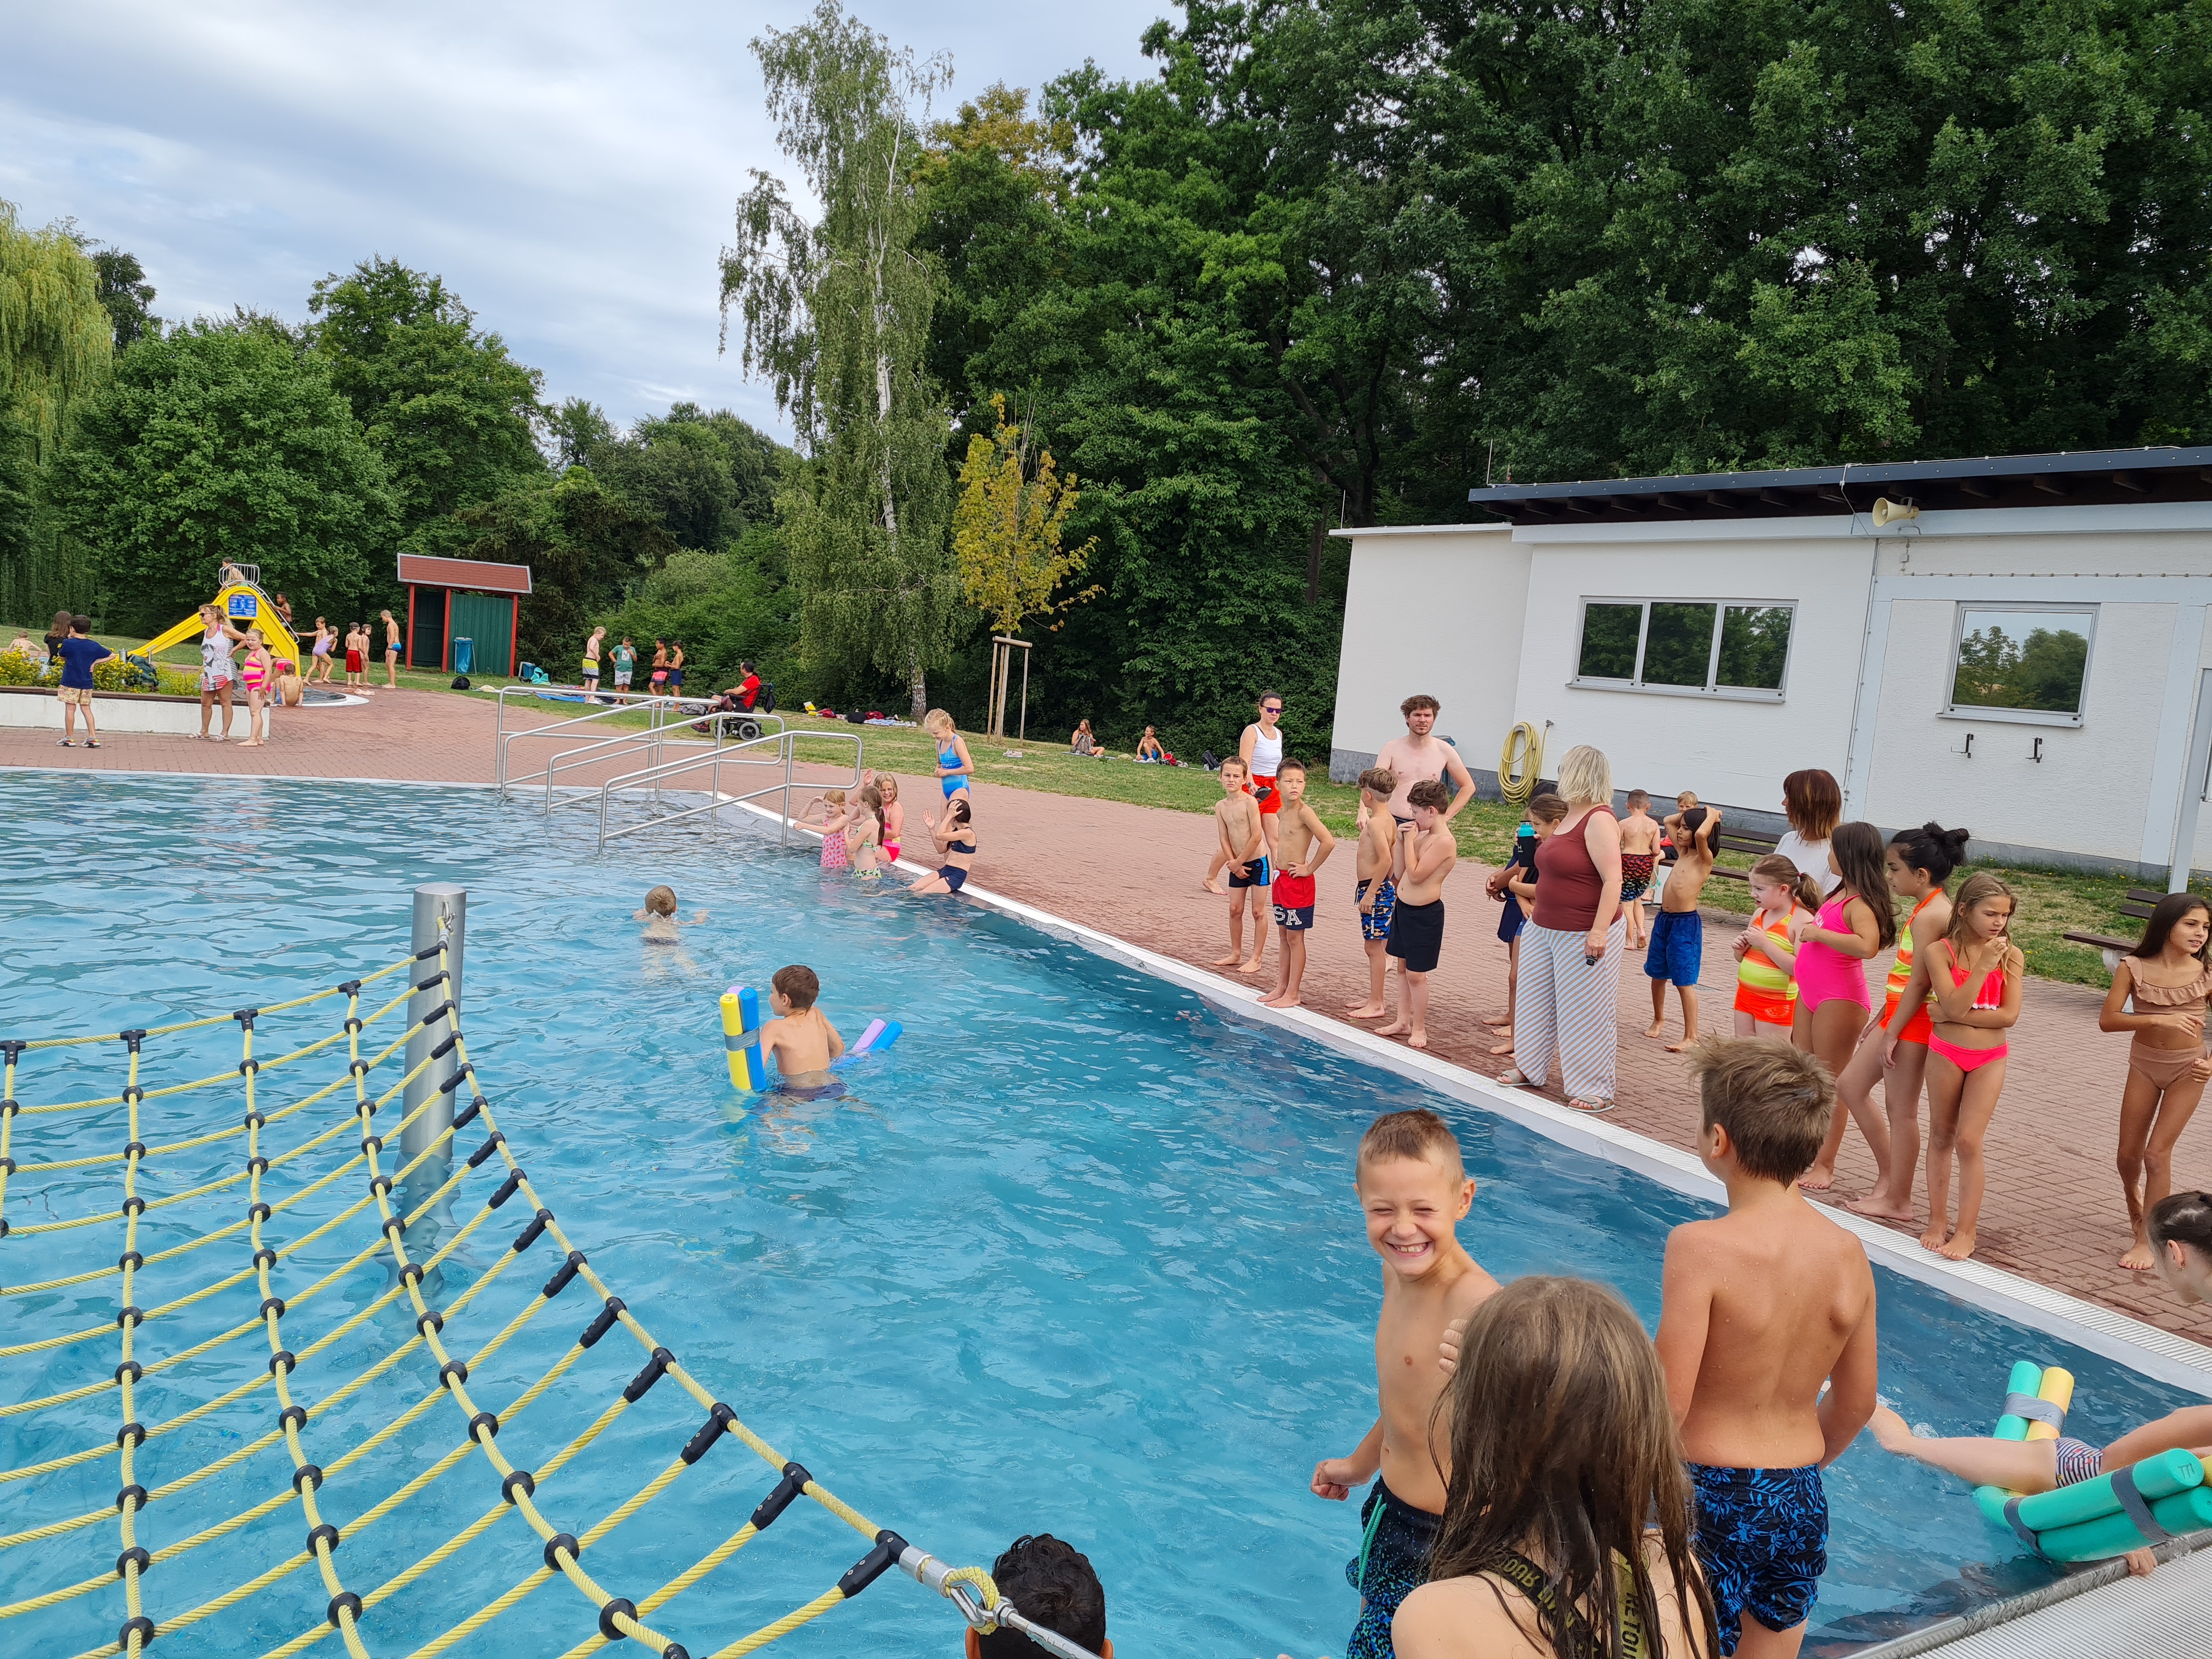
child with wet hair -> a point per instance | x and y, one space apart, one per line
800 1039
660 919
1052 1583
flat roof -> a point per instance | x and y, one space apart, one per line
477 574
2094 477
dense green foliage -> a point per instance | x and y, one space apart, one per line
125 293
725 607
216 441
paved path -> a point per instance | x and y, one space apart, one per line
2053 1212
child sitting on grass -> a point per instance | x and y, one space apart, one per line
1414 1190
1758 1309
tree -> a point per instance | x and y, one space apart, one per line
1007 537
449 411
218 441
125 293
836 314
706 477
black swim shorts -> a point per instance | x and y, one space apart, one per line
1417 934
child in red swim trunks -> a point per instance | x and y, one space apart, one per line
1299 833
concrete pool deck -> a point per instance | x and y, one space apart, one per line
2053 1214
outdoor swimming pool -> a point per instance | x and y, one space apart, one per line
1078 1255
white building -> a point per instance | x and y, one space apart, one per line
2026 659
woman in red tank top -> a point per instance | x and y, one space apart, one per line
1571 948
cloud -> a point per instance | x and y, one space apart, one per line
570 170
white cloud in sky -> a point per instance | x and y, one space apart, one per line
570 170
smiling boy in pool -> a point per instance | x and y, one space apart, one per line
1414 1190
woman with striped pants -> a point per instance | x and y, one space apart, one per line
1569 988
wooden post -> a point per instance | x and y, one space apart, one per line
1002 674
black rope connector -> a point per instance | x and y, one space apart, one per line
131 1039
468 1115
135 1370
716 1425
507 1188
134 1204
344 1602
133 1432
3 1227
562 1275
455 1081
655 1369
521 1478
794 1480
246 1016
604 1323
292 1417
131 1494
488 1419
134 1149
531 1230
562 1541
411 1274
452 1373
132 1094
145 1562
354 1025
284 1358
310 1472
255 1121
272 1304
130 1259
393 1226
382 1187
248 1068
873 1565
327 1531
359 1069
447 1046
351 988
144 1628
264 1257
8 1165
257 1165
434 1320
429 951
436 979
477 1157
10 1107
675 1650
258 1212
608 1628
130 1317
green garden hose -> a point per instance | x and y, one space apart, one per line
1520 762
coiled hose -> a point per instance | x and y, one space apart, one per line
1520 762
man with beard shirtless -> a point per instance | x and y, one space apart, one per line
1420 756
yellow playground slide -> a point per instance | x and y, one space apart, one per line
247 606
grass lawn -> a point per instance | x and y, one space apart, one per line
2051 903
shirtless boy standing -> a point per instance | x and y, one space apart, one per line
1677 938
1375 892
1238 817
1298 830
1420 757
1417 919
1758 1308
800 1039
1639 856
1414 1189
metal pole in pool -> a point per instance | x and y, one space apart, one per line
441 910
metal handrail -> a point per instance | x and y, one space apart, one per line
786 742
657 706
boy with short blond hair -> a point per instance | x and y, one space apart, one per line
1414 1190
1417 921
1236 817
1758 1309
800 1038
1376 893
1639 857
1298 830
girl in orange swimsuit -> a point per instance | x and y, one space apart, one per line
1894 1052
2169 975
1976 971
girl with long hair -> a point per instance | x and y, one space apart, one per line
1894 1053
1567 1510
1856 924
864 833
1975 971
2169 976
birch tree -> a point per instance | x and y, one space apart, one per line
836 313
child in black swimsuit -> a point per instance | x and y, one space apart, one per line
955 835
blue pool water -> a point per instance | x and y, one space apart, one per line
1079 1255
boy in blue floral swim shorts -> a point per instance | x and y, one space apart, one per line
1374 893
1758 1309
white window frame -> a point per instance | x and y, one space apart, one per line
1710 689
1953 711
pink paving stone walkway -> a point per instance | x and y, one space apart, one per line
2053 1212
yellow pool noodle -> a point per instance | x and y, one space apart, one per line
2057 1387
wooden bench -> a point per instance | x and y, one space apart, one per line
2139 903
1733 838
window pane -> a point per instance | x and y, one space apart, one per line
1678 648
2023 659
1610 642
1755 646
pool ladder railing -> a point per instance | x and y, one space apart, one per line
784 743
657 709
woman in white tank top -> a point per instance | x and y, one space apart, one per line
1261 747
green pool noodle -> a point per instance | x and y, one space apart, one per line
2162 1476
2115 1535
2026 1377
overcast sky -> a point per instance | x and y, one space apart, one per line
570 170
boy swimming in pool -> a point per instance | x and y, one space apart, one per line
800 1039
1414 1190
660 919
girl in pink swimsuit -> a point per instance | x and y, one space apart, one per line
1975 973
1857 922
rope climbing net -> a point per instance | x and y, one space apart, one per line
277 1191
